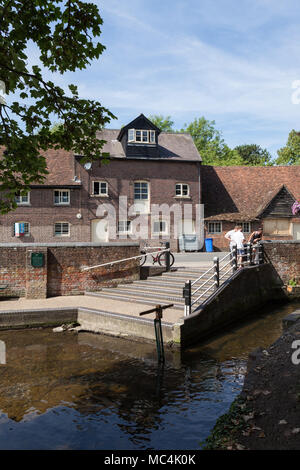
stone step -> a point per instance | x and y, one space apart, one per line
124 298
185 274
155 297
159 280
145 295
147 287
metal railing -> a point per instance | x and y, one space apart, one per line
253 254
110 263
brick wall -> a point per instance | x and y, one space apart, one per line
61 273
285 258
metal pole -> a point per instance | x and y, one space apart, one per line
158 334
167 256
187 294
234 258
260 254
216 273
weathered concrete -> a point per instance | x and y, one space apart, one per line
244 292
125 325
37 317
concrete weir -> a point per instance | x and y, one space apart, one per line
244 292
90 319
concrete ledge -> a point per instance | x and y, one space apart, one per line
37 317
98 321
92 320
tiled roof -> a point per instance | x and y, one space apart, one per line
172 146
61 167
241 193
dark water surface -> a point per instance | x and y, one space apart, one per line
86 391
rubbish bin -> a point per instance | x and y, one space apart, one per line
189 243
209 245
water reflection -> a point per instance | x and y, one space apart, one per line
85 391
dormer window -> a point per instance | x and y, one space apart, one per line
141 136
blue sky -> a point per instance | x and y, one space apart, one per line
232 61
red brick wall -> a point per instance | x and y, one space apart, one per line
62 271
285 258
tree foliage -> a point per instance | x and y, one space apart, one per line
254 155
210 143
65 34
164 123
290 154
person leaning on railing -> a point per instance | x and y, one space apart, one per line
237 238
254 238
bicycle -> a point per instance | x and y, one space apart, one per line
159 258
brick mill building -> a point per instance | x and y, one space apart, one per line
151 168
147 166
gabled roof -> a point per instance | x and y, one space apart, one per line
140 122
242 193
274 197
171 146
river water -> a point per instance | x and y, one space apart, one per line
86 391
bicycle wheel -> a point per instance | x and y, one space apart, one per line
143 260
162 259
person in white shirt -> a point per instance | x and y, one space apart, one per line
228 237
238 239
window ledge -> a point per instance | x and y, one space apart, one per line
182 197
99 195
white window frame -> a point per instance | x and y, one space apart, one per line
160 232
61 202
214 231
180 185
141 205
126 226
141 136
62 233
140 182
26 224
243 229
24 200
100 194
